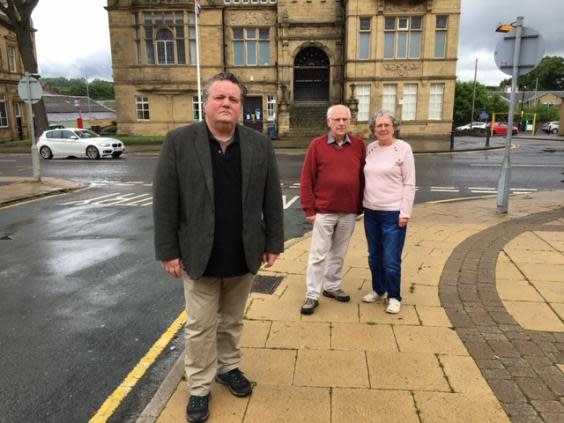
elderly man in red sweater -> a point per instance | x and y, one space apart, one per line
332 183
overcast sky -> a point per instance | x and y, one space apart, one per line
73 38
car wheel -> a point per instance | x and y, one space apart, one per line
554 131
46 152
92 152
116 154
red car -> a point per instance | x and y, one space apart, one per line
500 128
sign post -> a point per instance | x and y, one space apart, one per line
517 53
30 91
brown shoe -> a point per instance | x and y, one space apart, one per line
338 295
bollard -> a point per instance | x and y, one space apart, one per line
487 137
451 140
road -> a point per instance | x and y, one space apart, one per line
82 299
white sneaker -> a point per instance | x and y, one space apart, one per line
393 306
372 297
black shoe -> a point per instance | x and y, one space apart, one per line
337 294
309 306
197 410
236 381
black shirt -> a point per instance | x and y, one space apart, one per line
228 256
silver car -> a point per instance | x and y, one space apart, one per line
77 142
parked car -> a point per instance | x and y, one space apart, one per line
77 143
551 127
56 126
500 128
472 125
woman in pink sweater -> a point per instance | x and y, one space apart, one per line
389 192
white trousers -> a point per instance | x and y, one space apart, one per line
330 239
215 308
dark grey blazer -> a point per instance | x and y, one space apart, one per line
183 203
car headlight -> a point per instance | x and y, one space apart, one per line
106 144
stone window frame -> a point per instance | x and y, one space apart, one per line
12 59
411 27
409 102
242 38
364 35
179 23
237 2
270 108
389 99
436 99
142 107
3 112
441 38
362 94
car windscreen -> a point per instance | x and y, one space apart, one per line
85 133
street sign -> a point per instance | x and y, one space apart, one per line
484 115
29 89
531 52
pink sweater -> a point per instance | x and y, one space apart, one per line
389 175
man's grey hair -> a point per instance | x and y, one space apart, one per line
330 110
379 114
224 76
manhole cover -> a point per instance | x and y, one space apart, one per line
266 284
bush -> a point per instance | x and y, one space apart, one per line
109 130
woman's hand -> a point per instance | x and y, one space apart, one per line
403 222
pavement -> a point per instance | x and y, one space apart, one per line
480 337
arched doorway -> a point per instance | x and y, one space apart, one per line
311 75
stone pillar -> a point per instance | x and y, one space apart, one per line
283 111
352 103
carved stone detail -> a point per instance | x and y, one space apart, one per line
401 69
255 18
405 6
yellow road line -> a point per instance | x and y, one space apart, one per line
114 400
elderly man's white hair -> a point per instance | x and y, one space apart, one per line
330 110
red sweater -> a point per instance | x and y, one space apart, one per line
332 178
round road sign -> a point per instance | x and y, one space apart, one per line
531 51
30 91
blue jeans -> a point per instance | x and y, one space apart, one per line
385 243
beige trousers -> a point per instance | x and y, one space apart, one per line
215 308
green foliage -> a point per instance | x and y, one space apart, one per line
98 89
485 100
549 73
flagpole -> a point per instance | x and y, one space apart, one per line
196 13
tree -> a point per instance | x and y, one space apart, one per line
97 89
549 73
19 16
485 100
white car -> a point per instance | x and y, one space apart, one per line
551 127
473 125
78 143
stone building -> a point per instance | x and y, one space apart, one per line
13 111
295 56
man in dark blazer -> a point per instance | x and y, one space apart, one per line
218 216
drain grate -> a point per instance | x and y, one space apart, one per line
266 284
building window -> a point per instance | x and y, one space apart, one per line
12 59
362 93
142 104
195 108
165 37
441 36
389 98
251 46
436 96
409 104
270 107
364 39
402 37
3 113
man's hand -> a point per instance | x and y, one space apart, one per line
173 267
310 219
268 259
403 222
